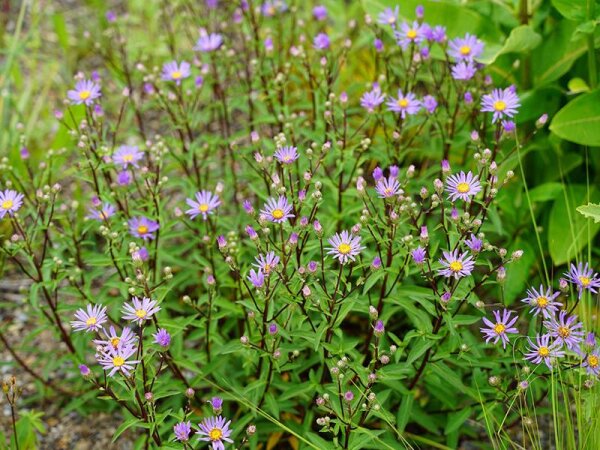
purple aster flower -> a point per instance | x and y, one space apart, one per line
377 173
509 126
404 104
436 34
376 263
84 370
206 202
287 154
387 187
409 34
252 234
273 329
208 42
10 202
86 91
503 103
456 265
24 153
463 186
320 12
116 360
268 43
430 103
501 328
543 351
466 48
583 277
266 263
182 431
474 244
321 41
277 211
124 178
272 7
217 404
566 330
420 11
344 246
141 254
591 363
389 16
215 430
418 255
127 155
348 396
90 320
543 302
127 338
142 227
378 44
257 278
379 328
463 70
176 72
140 310
372 99
587 346
162 337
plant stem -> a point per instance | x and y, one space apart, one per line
592 70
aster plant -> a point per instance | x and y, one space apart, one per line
322 254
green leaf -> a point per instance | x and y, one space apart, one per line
404 412
577 86
555 56
571 9
124 426
567 230
591 211
579 120
455 420
521 39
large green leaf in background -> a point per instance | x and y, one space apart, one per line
579 120
568 230
557 53
571 9
521 39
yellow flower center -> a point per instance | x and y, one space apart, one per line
499 105
7 204
141 313
465 50
593 361
499 328
543 352
542 302
84 95
271 10
344 249
128 157
267 268
463 188
403 103
277 213
392 19
176 75
91 321
142 229
215 434
456 266
585 281
118 361
388 191
564 332
104 214
203 207
115 341
411 34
